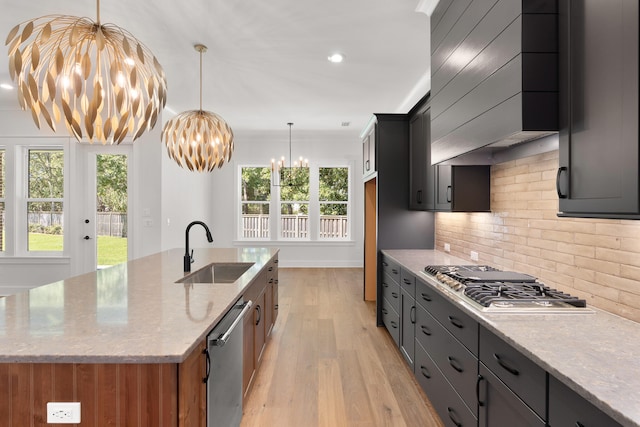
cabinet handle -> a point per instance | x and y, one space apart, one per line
276 281
425 372
259 309
506 367
425 330
394 294
367 165
579 424
455 322
560 170
454 364
385 264
386 285
384 311
275 261
412 315
448 194
419 197
478 381
270 269
208 365
275 307
271 280
407 282
452 418
425 297
394 325
394 271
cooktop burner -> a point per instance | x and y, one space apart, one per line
490 289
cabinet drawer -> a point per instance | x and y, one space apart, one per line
426 296
498 406
408 282
458 365
391 291
391 268
461 325
520 374
391 320
568 409
446 402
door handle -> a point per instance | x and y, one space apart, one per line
87 238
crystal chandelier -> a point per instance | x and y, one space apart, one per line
97 79
198 140
283 176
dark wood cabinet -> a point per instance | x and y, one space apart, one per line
568 409
407 316
598 173
421 171
461 188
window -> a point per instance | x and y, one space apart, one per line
294 203
334 202
45 200
2 196
255 195
299 204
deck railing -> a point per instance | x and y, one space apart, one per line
256 226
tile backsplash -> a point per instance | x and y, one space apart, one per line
595 259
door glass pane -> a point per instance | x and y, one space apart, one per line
111 207
45 200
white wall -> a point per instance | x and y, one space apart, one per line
258 148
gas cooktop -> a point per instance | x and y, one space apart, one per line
488 289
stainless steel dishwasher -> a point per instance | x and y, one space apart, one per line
224 368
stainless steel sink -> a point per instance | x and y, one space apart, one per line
218 272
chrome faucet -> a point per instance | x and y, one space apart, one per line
188 257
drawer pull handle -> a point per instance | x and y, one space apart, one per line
454 364
270 269
425 330
384 311
386 285
394 325
385 264
412 315
453 419
455 322
425 297
506 367
394 271
394 294
425 372
478 381
407 282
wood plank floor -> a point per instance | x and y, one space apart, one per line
328 364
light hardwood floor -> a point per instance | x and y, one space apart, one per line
328 364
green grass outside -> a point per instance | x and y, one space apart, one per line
111 250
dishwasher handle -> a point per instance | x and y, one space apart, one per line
223 338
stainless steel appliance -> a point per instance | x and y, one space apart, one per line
490 290
224 370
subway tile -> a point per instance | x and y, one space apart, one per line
573 249
598 265
619 283
597 240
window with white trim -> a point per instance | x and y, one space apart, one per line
45 196
300 204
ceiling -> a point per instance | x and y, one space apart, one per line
266 63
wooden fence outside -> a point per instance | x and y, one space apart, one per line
256 226
107 223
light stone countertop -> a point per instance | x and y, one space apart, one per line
128 313
596 355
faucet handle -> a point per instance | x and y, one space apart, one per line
191 257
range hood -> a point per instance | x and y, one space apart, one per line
494 74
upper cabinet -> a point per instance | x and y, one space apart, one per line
599 159
421 172
462 188
493 74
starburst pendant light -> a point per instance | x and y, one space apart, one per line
97 78
198 140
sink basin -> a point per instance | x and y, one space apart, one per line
217 272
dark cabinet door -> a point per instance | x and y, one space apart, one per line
598 167
421 180
463 188
408 330
444 190
500 407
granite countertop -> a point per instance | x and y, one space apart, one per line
129 313
597 355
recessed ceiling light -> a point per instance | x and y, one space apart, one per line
336 58
6 86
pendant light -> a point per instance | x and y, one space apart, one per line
285 178
96 78
198 140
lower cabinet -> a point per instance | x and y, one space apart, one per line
498 406
263 292
568 409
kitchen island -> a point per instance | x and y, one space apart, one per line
596 355
125 341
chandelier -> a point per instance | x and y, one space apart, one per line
285 176
198 140
97 79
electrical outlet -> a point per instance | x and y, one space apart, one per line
474 256
447 247
63 412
